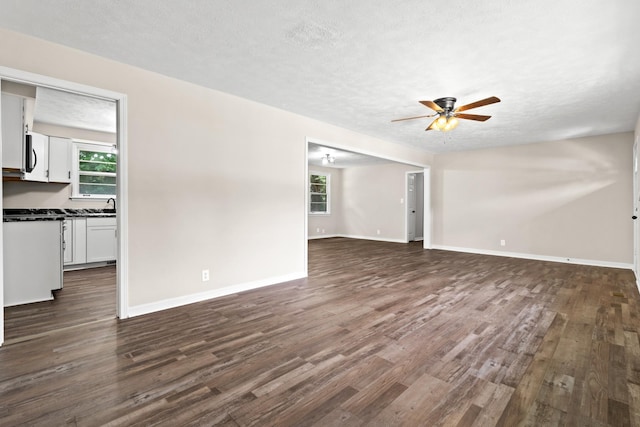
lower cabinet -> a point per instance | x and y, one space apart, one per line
32 255
101 239
89 240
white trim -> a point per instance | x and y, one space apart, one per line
122 211
305 246
351 236
324 236
427 227
1 243
377 239
28 78
636 208
25 77
153 307
580 261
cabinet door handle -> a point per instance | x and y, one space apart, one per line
69 174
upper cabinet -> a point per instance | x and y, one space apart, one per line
59 159
13 131
28 155
49 160
34 156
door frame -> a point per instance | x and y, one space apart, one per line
122 259
636 208
426 202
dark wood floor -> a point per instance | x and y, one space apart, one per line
87 296
380 334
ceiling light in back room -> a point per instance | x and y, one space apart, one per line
328 160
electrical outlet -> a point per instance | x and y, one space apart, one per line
205 275
503 242
323 231
318 230
378 231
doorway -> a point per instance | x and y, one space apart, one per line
120 100
415 206
315 154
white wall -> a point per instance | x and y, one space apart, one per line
215 181
567 199
371 201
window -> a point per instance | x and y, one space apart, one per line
94 170
319 193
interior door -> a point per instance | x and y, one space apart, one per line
411 207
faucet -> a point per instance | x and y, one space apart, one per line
111 199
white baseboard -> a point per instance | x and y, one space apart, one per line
323 236
138 310
376 238
595 263
350 236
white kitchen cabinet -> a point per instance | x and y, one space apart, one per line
32 256
101 239
59 159
75 241
13 131
79 240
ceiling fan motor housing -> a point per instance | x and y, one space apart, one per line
446 103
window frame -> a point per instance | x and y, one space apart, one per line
327 192
78 145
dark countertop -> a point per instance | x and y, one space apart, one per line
13 215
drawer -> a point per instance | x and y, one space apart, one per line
101 222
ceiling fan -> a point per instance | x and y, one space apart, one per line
446 117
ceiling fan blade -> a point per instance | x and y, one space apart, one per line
411 118
482 102
431 126
432 105
476 117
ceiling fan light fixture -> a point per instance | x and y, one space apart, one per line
451 123
447 116
445 123
441 122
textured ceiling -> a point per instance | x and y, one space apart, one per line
77 111
563 69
